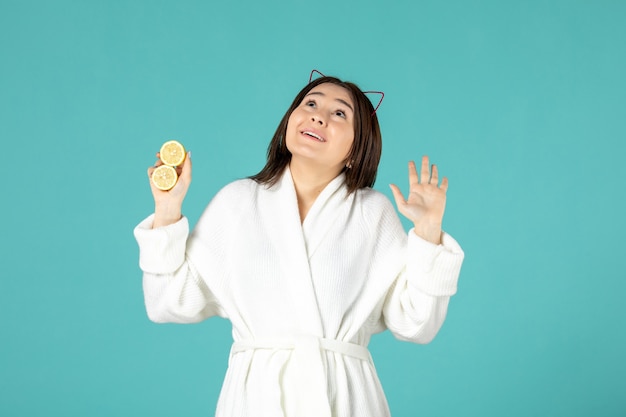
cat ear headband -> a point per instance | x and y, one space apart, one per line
382 95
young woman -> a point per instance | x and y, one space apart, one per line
307 262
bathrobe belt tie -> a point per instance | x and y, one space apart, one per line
304 381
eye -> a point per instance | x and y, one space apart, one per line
340 113
310 103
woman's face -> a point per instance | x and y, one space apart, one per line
321 129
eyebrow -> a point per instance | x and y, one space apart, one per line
319 93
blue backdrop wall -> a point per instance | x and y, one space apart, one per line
520 103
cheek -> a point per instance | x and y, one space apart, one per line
294 119
349 139
289 131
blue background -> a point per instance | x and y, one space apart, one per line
521 104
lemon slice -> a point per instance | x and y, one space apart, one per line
172 153
164 177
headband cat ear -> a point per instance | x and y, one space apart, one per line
313 72
382 95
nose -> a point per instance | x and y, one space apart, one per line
317 118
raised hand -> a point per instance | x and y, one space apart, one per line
168 204
426 201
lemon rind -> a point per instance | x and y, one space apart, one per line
152 177
181 146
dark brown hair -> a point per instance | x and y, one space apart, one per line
366 148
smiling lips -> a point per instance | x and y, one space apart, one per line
314 135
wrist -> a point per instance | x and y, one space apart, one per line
166 215
429 232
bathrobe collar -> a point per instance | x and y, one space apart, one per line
297 242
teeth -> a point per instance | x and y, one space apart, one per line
315 136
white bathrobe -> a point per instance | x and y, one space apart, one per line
303 299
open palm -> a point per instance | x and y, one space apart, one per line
426 201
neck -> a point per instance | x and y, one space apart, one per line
309 183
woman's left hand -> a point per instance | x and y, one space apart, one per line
426 202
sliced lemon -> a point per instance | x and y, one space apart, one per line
164 177
172 153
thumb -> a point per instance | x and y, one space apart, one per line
397 195
186 172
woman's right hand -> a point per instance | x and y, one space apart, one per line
168 204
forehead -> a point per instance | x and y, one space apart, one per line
334 92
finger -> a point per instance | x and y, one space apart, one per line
397 195
444 184
157 164
434 175
186 171
425 172
152 186
413 179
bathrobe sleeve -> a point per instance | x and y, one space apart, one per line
416 304
174 291
182 271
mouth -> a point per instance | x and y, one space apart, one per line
313 135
